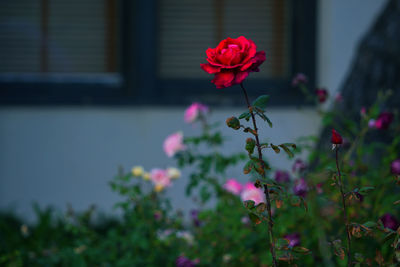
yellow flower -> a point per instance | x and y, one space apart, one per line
146 176
158 188
173 173
137 171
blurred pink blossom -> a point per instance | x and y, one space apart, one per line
363 112
173 144
250 192
371 123
384 120
300 78
160 178
395 167
339 97
194 111
233 186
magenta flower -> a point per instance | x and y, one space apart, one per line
384 120
300 78
182 261
293 239
298 166
160 178
233 186
173 144
395 167
300 187
250 192
194 112
322 95
282 176
389 221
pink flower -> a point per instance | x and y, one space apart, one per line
300 78
160 178
250 192
395 167
233 186
173 144
194 111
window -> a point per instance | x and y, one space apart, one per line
146 52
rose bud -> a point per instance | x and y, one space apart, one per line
233 123
389 221
300 78
293 239
250 145
232 61
322 95
336 138
384 120
395 167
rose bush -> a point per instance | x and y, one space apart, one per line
232 61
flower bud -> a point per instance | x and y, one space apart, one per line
250 144
233 123
137 171
336 138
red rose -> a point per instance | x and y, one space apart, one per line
232 61
336 138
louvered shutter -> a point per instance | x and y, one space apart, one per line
62 36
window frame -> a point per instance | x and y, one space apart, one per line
137 82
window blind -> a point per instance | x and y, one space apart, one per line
188 28
62 36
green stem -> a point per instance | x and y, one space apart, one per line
266 190
345 218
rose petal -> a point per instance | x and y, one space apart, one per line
240 76
210 68
223 79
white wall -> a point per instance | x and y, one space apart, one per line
68 154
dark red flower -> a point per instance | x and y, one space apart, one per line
232 61
395 167
322 95
336 138
389 221
384 120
